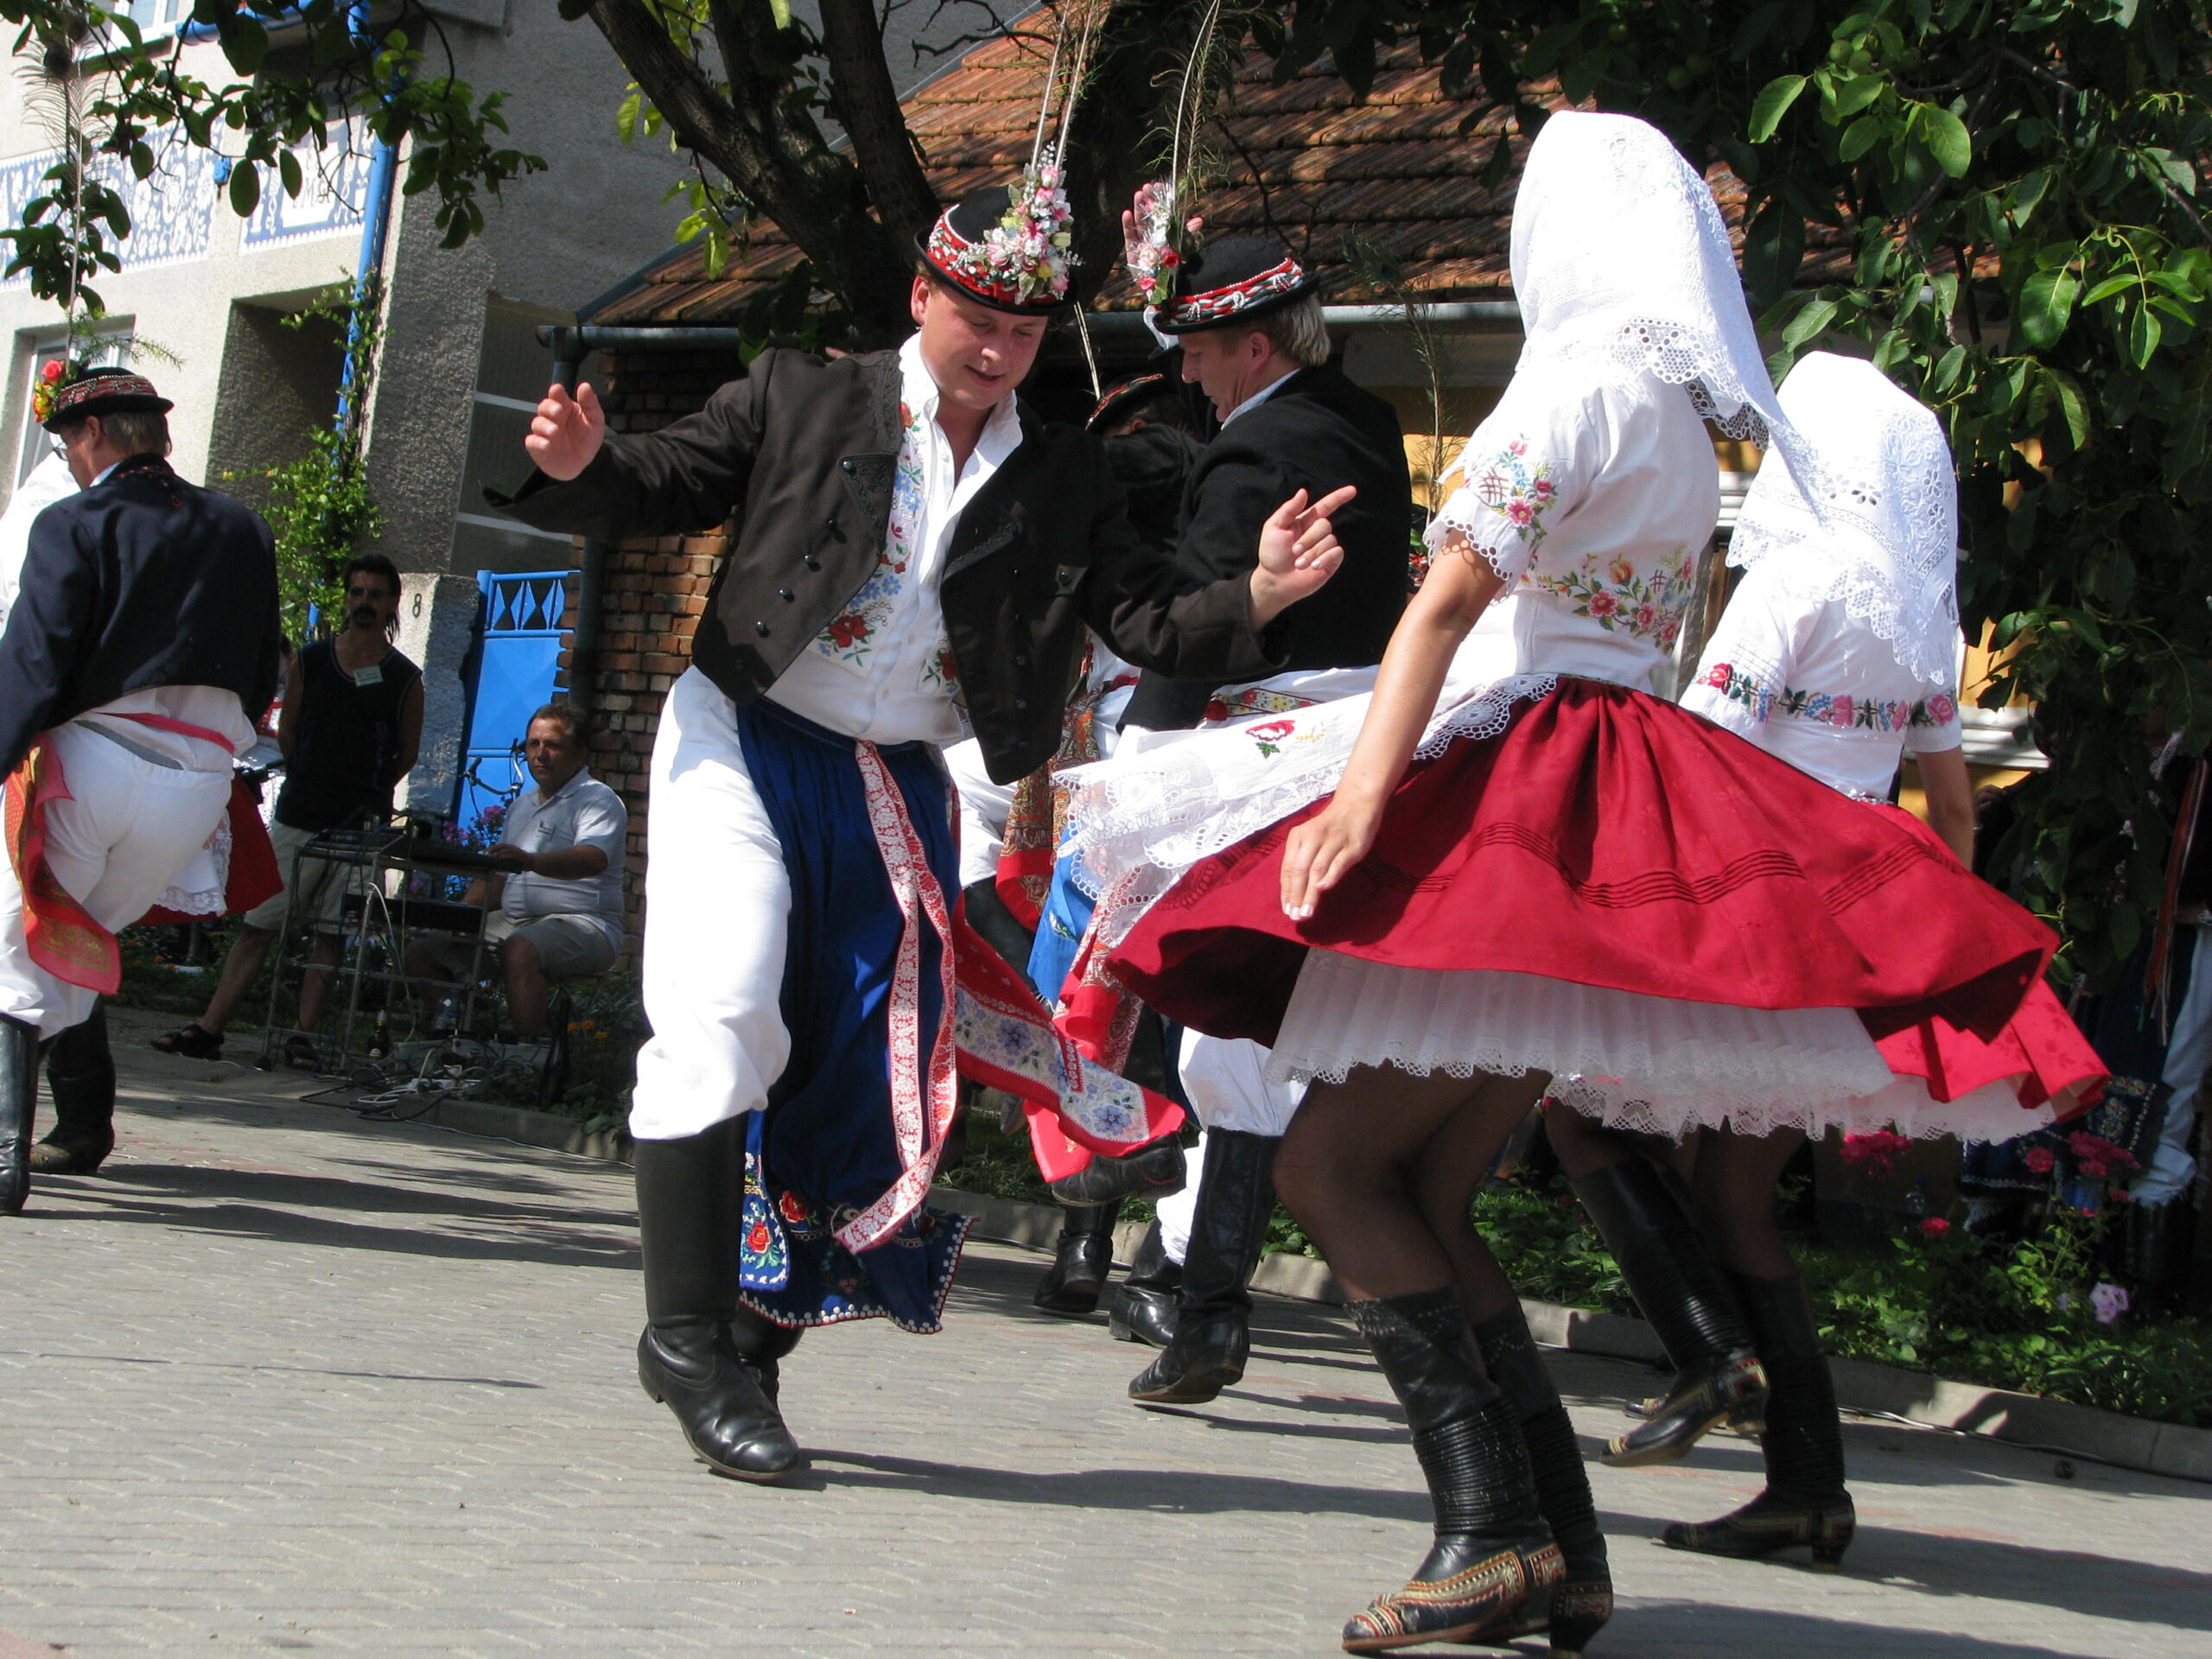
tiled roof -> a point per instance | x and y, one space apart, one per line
1306 160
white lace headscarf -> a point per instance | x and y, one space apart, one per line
1880 529
1619 256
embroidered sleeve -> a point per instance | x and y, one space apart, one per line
1512 479
1742 680
1935 724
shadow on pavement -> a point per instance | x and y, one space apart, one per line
295 1209
1648 1629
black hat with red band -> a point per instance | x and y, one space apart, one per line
1007 250
1234 280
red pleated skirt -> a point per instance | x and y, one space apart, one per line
1610 839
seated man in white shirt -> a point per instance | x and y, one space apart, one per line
560 914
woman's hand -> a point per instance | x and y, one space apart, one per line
1322 849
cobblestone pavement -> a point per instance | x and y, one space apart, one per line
284 1379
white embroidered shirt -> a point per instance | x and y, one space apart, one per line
880 670
1807 683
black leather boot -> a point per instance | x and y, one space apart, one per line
1213 1314
1492 1553
763 1345
1082 1262
688 1192
1582 1602
1152 1171
81 1082
18 1100
1142 1308
1647 1221
1805 1505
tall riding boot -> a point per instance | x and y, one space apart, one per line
763 1345
1805 1503
1646 1220
1492 1552
688 1192
1082 1262
18 1099
1143 1306
81 1082
1582 1602
1213 1314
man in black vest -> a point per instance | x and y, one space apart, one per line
909 541
1249 323
140 650
351 724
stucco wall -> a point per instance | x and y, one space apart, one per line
552 241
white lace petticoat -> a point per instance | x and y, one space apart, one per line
1652 1064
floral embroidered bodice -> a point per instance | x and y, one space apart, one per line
1594 505
1811 685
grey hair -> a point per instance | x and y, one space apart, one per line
137 432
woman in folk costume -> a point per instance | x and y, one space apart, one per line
1838 653
1580 881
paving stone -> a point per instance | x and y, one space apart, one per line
284 1380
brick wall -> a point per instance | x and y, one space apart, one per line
655 591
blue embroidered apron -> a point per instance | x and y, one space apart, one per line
826 1147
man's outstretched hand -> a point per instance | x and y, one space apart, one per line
1298 553
566 432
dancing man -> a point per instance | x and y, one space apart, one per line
911 542
140 651
1249 320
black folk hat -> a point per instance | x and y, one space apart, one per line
103 391
1234 280
1007 253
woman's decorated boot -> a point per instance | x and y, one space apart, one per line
1805 1505
1646 1219
1492 1552
1142 1306
1581 1603
688 1358
1083 1260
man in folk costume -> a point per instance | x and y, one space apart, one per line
1010 832
914 550
1249 320
141 646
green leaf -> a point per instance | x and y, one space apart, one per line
245 188
1949 140
1848 94
1809 322
1771 104
2143 335
2046 301
2110 286
245 43
2071 405
288 166
782 8
1860 137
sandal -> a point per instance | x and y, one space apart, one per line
192 1040
302 1053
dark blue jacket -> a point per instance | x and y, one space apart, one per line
142 580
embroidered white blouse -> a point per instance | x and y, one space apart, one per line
1810 685
881 671
1594 501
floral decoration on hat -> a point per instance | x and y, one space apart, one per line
1151 256
1026 259
47 389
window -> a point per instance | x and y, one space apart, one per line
513 372
113 351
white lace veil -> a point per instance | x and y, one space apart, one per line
1879 529
1619 255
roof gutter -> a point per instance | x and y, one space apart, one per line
1499 316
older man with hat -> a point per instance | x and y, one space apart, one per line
1247 317
140 650
914 554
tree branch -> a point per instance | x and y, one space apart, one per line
867 103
